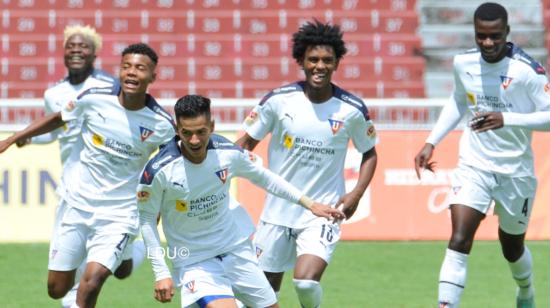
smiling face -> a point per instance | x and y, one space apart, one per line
319 64
137 71
194 134
79 55
491 39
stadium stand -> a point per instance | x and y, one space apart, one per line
446 29
229 49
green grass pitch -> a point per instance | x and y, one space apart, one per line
362 274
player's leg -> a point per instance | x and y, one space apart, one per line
91 283
315 246
452 276
470 200
249 283
514 209
276 251
105 247
67 251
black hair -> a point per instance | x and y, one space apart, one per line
490 11
316 33
192 106
141 49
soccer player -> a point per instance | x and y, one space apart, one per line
121 127
505 92
311 123
188 183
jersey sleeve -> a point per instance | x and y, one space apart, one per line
246 166
73 109
362 133
538 90
149 197
261 120
452 112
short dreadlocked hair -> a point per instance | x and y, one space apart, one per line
86 31
317 33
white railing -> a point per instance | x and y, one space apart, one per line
388 114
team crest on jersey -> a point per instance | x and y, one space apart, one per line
335 125
471 98
181 206
506 81
251 118
288 141
145 133
190 286
456 189
143 196
222 175
70 106
547 87
97 139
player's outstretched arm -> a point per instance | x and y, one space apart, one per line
38 127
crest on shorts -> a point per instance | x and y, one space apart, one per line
222 175
456 189
54 252
258 252
335 125
190 286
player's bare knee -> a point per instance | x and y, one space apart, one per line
461 243
57 290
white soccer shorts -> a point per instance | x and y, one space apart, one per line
277 247
513 196
234 274
82 235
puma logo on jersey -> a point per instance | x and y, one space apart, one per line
145 133
223 175
506 81
335 125
102 117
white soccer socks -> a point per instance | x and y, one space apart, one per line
452 278
309 292
522 273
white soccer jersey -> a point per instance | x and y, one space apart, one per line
516 84
117 143
308 145
193 200
63 92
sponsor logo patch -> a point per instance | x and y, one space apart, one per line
371 131
97 140
251 118
288 141
181 206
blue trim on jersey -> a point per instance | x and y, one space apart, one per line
519 54
292 87
112 90
167 154
203 301
152 104
351 100
104 76
218 142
